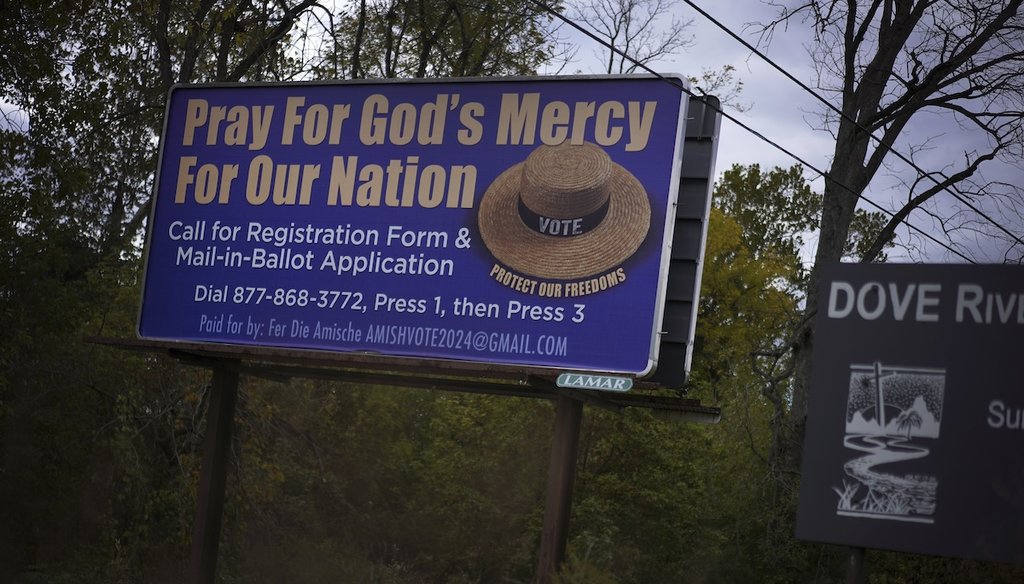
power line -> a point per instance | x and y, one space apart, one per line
921 172
733 119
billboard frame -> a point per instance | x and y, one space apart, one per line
665 374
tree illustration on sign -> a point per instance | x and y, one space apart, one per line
908 420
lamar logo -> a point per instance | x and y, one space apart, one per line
601 382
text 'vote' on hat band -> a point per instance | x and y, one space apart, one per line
559 227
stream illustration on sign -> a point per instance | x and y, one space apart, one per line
893 416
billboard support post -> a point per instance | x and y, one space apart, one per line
561 476
217 443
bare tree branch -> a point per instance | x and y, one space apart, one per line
631 27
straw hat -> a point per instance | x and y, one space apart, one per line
567 212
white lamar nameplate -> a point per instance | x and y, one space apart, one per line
601 382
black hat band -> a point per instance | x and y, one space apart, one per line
556 227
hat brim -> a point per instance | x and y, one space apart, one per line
595 252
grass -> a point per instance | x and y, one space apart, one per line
875 501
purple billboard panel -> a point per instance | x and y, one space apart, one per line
512 222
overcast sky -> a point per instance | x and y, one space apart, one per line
789 115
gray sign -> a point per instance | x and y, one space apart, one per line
916 412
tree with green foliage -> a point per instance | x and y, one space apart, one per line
429 38
778 209
101 439
659 502
773 213
105 441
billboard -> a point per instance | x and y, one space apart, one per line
915 411
516 221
